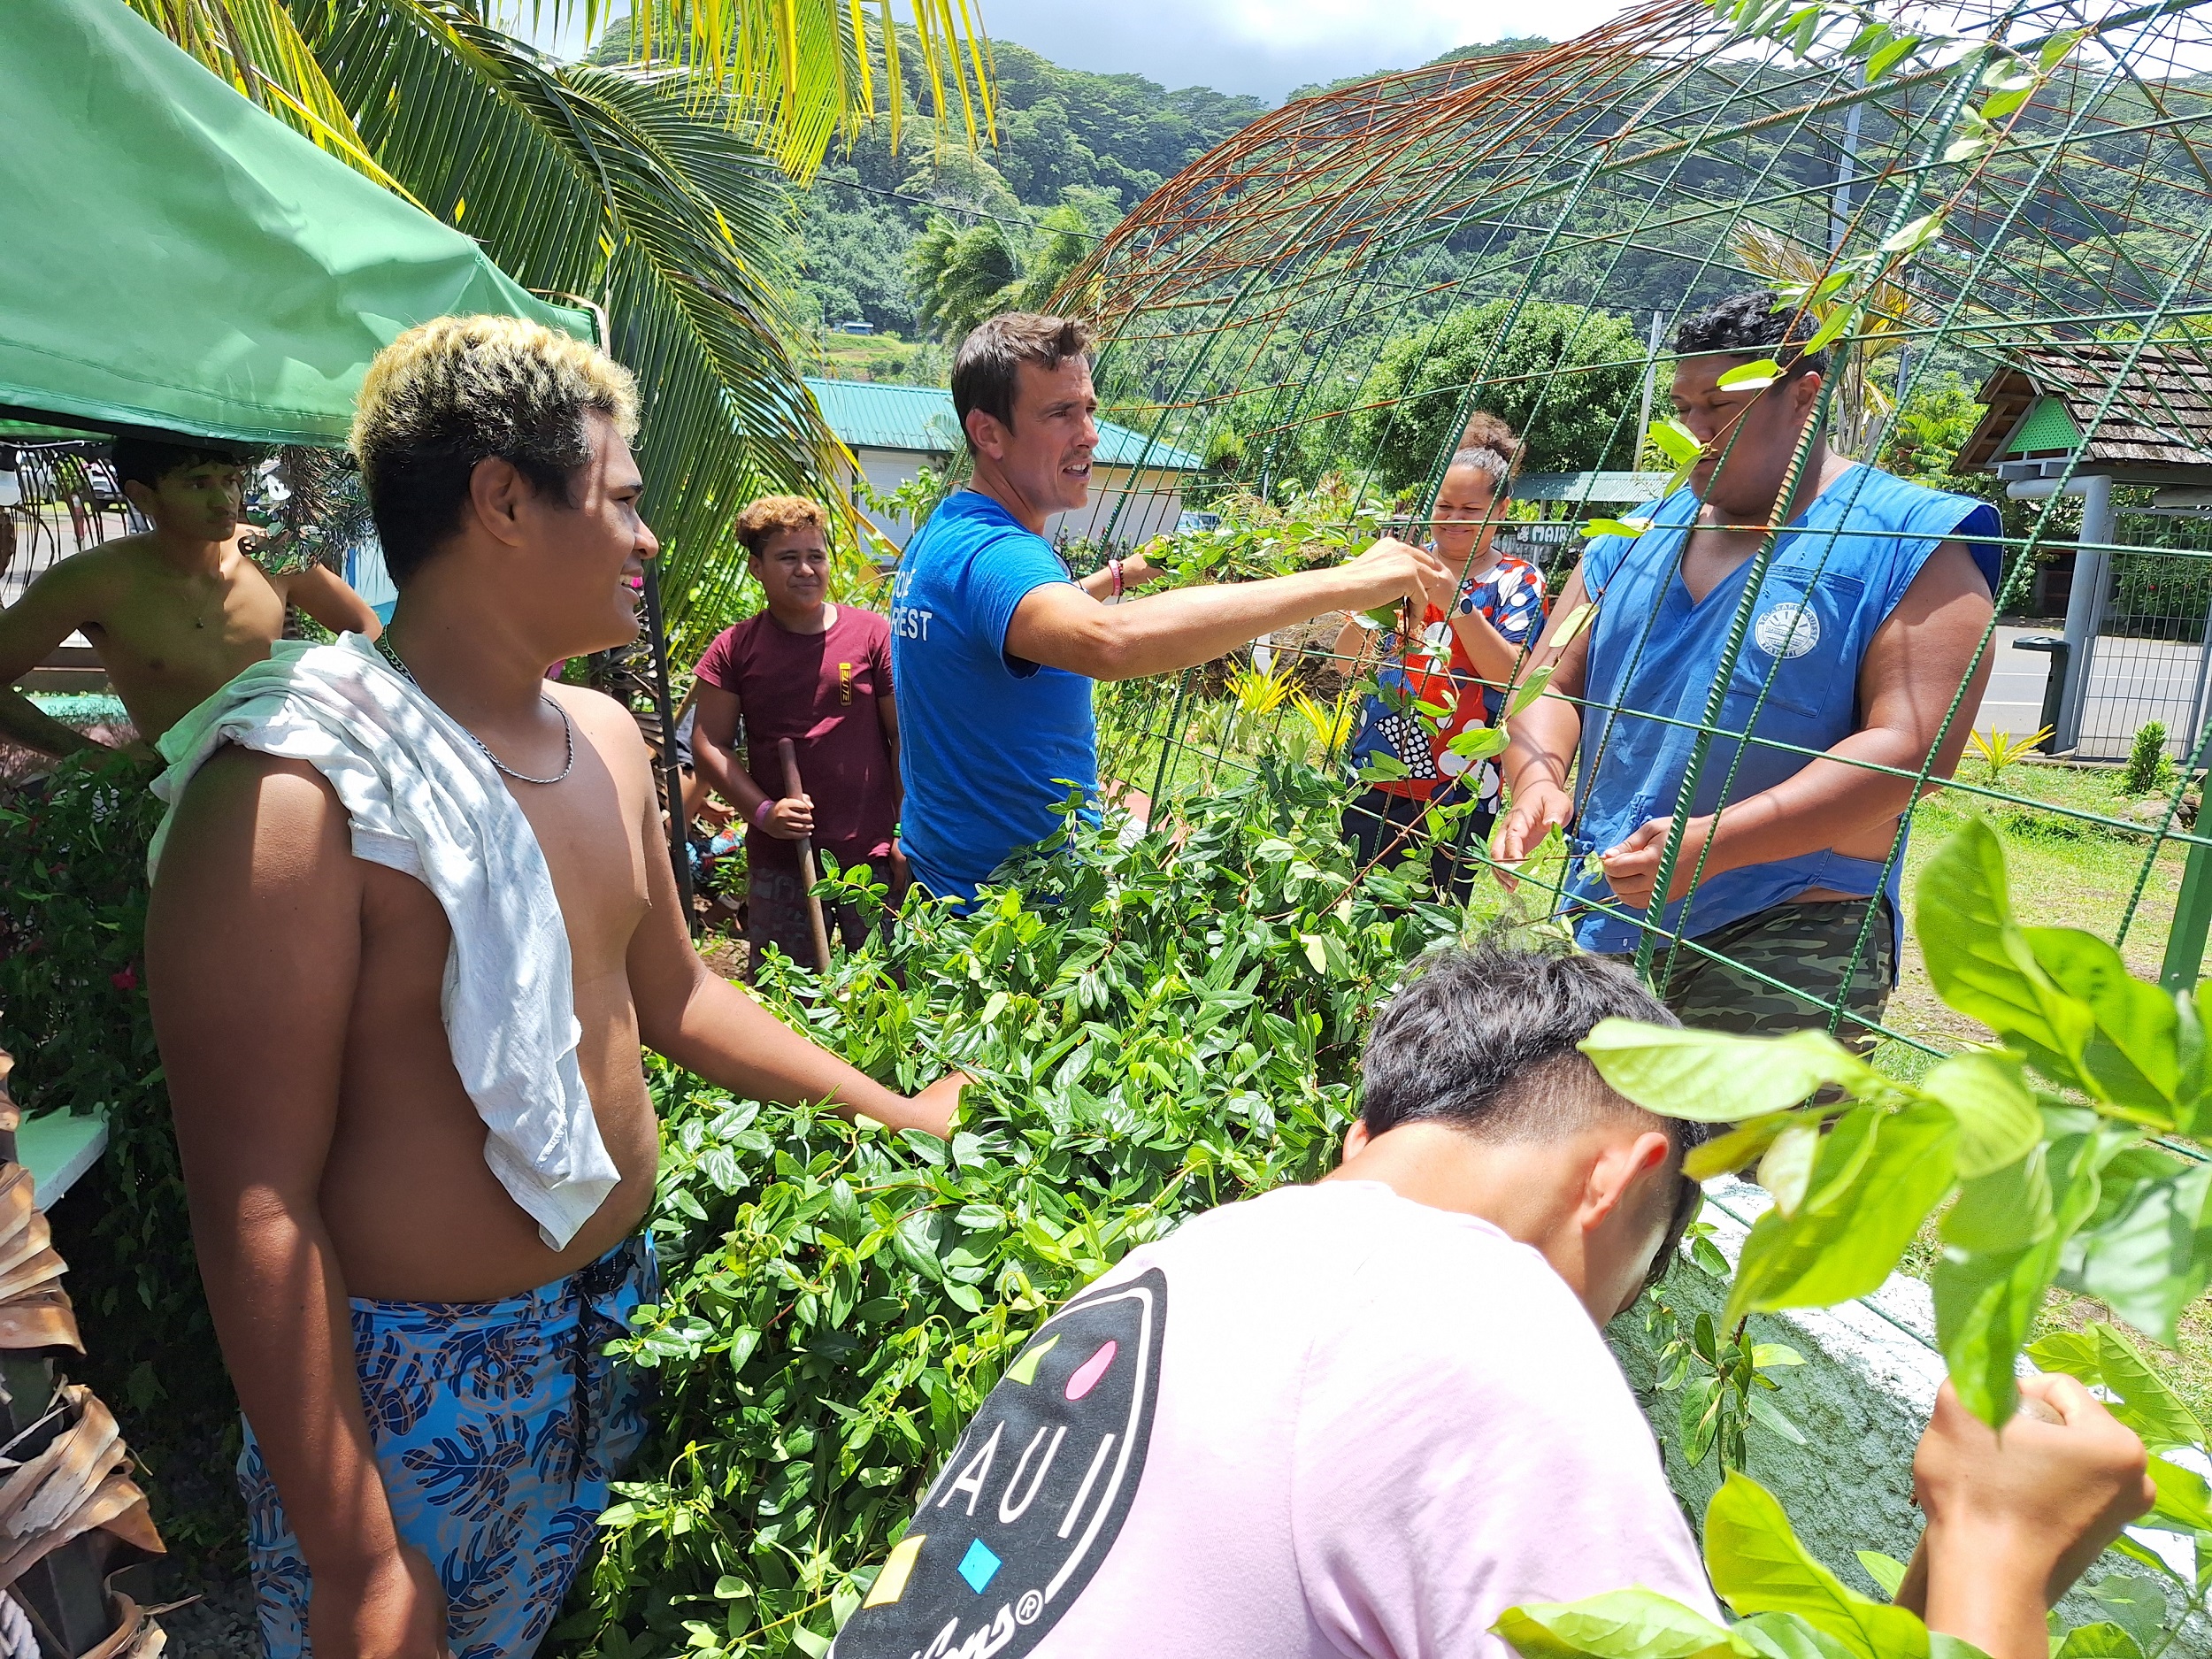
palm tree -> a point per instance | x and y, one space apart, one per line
963 276
656 191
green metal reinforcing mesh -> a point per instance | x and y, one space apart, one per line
2000 213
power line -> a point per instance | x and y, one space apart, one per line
931 200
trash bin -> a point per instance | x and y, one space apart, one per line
2053 681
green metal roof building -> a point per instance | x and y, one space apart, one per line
895 431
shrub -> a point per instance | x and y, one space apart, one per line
1155 1030
2148 771
1564 376
73 1013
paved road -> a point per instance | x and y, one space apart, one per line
2130 682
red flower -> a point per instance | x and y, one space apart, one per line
127 980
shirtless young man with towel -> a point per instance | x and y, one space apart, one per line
413 916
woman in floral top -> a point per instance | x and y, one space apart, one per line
1470 644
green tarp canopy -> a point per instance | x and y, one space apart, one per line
173 258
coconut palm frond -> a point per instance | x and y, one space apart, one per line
256 46
620 186
800 74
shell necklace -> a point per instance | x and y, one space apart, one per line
568 727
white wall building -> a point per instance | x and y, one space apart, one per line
895 431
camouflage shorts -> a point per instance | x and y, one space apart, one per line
1808 947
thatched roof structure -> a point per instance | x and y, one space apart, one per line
2151 419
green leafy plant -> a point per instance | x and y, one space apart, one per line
1259 691
1722 1379
2040 1150
1331 724
1997 749
73 1013
2148 770
1789 1605
1154 1029
1299 529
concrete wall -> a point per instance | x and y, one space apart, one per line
1861 1400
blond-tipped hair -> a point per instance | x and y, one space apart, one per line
456 390
770 514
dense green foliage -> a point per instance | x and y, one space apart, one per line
73 1013
1155 1030
1067 138
1563 376
2147 772
2041 1155
1790 1606
960 277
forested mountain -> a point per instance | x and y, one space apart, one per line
1074 151
1096 144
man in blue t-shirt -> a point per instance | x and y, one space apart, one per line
995 647
1860 631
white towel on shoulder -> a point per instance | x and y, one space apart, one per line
424 801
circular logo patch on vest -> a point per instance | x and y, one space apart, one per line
1787 630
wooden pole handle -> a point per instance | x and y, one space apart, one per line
792 786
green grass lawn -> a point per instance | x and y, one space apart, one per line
2065 872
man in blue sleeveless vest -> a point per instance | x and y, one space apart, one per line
1858 634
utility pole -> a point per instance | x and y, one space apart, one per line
1643 411
1846 171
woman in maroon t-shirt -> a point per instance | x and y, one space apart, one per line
820 675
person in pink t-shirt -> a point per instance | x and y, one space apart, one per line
1361 1419
820 675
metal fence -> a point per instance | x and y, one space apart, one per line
2149 655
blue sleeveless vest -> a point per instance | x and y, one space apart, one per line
1654 657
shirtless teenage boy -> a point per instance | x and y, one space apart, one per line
172 612
425 1468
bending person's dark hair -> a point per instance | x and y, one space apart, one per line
1748 325
1483 1040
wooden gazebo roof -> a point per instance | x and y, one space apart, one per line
2158 422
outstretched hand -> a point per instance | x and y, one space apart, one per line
933 1106
1631 869
1393 570
1538 806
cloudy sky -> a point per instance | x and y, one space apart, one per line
1266 47
1263 47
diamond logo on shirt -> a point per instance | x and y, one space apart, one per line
1040 1487
979 1566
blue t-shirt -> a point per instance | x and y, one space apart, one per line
1654 656
989 744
